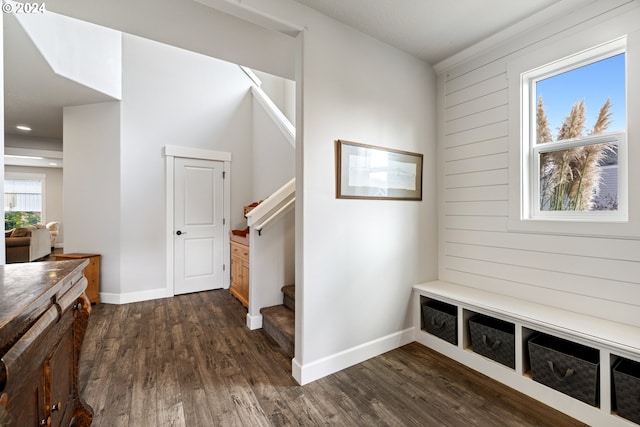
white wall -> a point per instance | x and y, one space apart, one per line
281 91
174 97
358 260
273 157
53 194
92 187
596 276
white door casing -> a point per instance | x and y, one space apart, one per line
198 225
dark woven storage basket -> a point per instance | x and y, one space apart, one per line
440 319
566 366
626 381
493 338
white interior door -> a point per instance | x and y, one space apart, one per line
198 225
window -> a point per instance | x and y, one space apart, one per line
569 167
23 200
576 120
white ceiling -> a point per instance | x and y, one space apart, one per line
429 29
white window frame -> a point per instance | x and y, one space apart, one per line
32 176
524 213
529 101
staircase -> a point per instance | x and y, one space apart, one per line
278 321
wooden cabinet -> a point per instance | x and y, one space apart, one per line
240 272
58 370
43 318
91 272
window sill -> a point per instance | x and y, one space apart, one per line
576 227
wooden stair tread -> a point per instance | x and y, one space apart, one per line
289 297
289 290
279 323
282 316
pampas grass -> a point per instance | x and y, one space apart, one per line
543 131
570 179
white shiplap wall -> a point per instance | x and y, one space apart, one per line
597 276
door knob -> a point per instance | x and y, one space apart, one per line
180 232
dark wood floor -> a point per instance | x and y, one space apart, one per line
191 361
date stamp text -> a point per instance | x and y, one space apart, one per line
9 6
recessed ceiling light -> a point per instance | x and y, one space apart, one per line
23 127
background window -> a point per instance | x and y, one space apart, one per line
22 201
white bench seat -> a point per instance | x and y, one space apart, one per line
613 340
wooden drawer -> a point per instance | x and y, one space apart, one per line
240 272
239 250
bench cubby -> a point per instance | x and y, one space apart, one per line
608 343
626 387
440 319
565 366
493 338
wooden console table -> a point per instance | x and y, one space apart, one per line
91 272
43 319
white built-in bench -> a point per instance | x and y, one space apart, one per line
612 340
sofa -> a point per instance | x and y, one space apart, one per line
26 244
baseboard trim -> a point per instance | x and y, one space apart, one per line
254 322
109 298
304 374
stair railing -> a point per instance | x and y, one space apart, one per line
283 210
273 207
